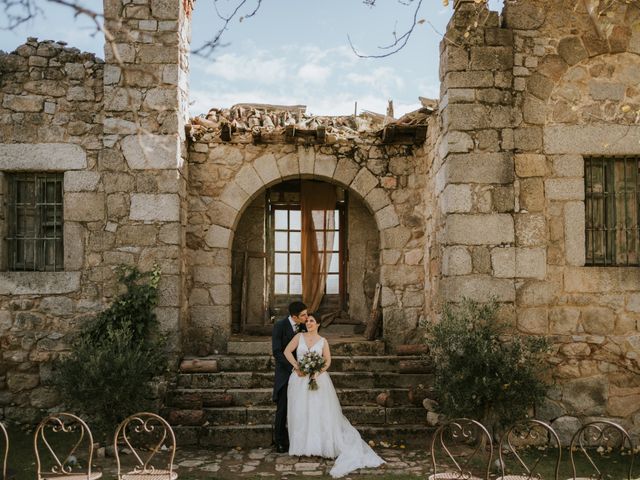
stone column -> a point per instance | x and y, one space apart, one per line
475 172
142 163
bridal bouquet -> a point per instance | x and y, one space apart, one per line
311 364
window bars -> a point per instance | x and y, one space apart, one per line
611 201
35 240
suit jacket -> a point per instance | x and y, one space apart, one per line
281 335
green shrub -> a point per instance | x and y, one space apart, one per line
480 371
108 373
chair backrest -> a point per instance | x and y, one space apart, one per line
4 452
594 438
462 433
148 437
60 433
533 436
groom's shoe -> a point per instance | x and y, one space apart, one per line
281 448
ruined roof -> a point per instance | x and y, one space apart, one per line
273 123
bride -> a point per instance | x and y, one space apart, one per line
316 424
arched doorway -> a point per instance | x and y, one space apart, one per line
267 264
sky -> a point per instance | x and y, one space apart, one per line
291 52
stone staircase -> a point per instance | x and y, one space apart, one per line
229 404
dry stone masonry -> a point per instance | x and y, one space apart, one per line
480 194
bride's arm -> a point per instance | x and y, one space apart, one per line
326 354
288 352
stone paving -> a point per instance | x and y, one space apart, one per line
265 462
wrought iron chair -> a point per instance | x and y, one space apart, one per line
66 431
462 433
148 436
5 454
534 436
594 439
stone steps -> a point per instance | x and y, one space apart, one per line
225 399
264 414
339 363
260 435
240 380
193 398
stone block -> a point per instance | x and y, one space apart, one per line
164 9
288 165
150 152
563 320
81 181
456 261
531 263
395 237
267 168
345 171
601 279
249 180
218 237
44 283
586 396
468 80
603 90
364 182
574 233
306 160
386 217
531 165
531 230
537 293
325 165
565 427
234 196
155 207
534 110
527 138
73 246
568 166
377 199
491 58
118 99
227 155
136 235
483 229
23 103
597 320
480 288
564 188
476 168
401 275
540 86
533 321
503 198
161 99
572 50
596 139
215 275
503 262
532 194
84 207
80 94
169 291
119 125
42 157
456 198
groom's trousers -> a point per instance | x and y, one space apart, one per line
280 433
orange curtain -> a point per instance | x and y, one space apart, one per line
317 205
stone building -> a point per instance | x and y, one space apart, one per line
524 187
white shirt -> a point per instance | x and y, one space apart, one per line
293 324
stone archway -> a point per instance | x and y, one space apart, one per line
210 295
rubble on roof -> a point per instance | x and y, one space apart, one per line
272 123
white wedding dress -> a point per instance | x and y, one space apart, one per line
317 426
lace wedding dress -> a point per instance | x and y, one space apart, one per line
317 426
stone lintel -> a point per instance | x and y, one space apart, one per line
42 157
592 139
601 279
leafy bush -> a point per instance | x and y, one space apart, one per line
480 372
107 375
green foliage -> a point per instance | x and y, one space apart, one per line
107 375
480 372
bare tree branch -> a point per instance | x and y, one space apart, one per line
17 12
399 41
207 49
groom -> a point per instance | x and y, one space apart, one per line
283 331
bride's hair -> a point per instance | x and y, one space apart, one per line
316 318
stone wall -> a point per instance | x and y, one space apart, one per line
225 177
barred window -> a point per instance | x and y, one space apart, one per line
35 222
611 187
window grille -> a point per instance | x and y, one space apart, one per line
35 240
611 189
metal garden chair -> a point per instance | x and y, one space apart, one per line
473 438
523 446
153 445
5 451
594 440
63 432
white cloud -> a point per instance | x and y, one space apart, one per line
313 73
260 68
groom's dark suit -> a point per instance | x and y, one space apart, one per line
281 335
